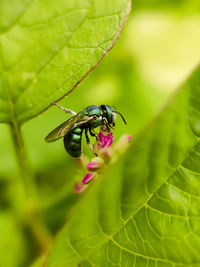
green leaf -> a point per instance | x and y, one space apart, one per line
38 262
13 248
48 47
145 210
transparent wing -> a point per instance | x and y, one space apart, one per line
62 129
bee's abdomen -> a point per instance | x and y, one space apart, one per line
72 142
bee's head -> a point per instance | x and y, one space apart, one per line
110 115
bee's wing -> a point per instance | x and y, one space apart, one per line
62 129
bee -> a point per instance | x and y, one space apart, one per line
85 121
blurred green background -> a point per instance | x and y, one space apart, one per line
157 50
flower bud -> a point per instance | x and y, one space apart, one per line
88 177
95 165
82 160
79 187
120 147
129 137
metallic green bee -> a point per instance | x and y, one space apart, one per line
86 120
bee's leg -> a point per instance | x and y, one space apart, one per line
88 142
93 134
97 138
65 109
108 128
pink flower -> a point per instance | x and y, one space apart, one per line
79 187
104 142
105 139
96 164
106 156
88 177
81 161
129 137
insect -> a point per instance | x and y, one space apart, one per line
85 121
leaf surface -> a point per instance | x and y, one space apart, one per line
11 233
48 47
145 210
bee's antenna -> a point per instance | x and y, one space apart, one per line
121 116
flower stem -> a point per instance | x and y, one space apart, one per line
23 162
31 217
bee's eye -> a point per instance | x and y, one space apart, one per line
114 117
95 117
